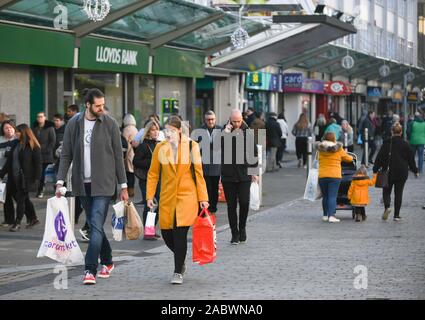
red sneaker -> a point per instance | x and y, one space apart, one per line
106 271
89 278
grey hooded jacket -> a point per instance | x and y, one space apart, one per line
107 163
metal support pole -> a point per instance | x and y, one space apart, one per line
260 174
366 147
345 141
309 153
71 198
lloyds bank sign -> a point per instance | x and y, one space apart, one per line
109 55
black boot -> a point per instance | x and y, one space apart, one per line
242 235
235 237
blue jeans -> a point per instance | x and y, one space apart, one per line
96 210
419 148
329 187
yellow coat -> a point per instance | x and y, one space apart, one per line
330 157
358 193
179 195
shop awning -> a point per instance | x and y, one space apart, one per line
307 33
154 22
327 59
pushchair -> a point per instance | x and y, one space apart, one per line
348 171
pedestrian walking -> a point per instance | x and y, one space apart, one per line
302 131
320 127
7 141
346 128
235 177
358 193
129 132
417 139
59 125
71 111
331 154
368 123
44 131
250 116
142 162
285 131
273 136
177 163
334 127
396 156
92 142
211 166
23 167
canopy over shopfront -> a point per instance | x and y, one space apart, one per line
327 59
152 23
303 33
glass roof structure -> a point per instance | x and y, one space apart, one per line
173 22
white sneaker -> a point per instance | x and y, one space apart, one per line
332 219
325 218
177 279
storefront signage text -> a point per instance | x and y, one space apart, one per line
337 88
292 82
374 92
116 56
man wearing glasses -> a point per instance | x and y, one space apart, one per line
211 166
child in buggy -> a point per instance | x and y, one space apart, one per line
348 171
358 193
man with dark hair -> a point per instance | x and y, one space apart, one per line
71 111
92 142
368 123
250 116
44 131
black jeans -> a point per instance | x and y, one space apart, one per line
301 148
280 150
176 241
235 191
24 206
9 209
372 149
398 195
212 188
130 179
43 176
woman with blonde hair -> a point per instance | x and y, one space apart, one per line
302 131
142 162
129 132
23 168
177 163
346 128
331 153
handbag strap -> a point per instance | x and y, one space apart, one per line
389 155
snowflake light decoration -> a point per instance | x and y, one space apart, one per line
239 38
96 10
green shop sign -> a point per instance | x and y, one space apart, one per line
107 55
178 63
32 46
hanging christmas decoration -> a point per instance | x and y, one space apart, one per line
96 10
384 71
239 37
347 62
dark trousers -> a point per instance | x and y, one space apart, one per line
361 211
212 188
176 241
301 148
372 149
398 195
130 179
24 206
9 208
234 192
142 185
43 176
280 150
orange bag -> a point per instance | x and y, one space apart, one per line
221 196
204 243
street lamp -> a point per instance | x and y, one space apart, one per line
408 77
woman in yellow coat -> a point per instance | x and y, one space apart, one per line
183 190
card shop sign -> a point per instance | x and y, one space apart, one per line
337 88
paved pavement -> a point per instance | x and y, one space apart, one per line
290 254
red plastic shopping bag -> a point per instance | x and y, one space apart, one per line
204 243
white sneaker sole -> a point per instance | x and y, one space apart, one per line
88 282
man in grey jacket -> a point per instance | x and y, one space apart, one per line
92 143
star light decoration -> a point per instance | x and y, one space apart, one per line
96 10
239 38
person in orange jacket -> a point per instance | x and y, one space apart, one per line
358 193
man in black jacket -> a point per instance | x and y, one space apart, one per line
273 132
44 131
211 160
235 172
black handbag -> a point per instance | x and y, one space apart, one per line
382 178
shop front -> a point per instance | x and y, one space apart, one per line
260 87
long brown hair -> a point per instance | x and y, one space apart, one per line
27 136
302 122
